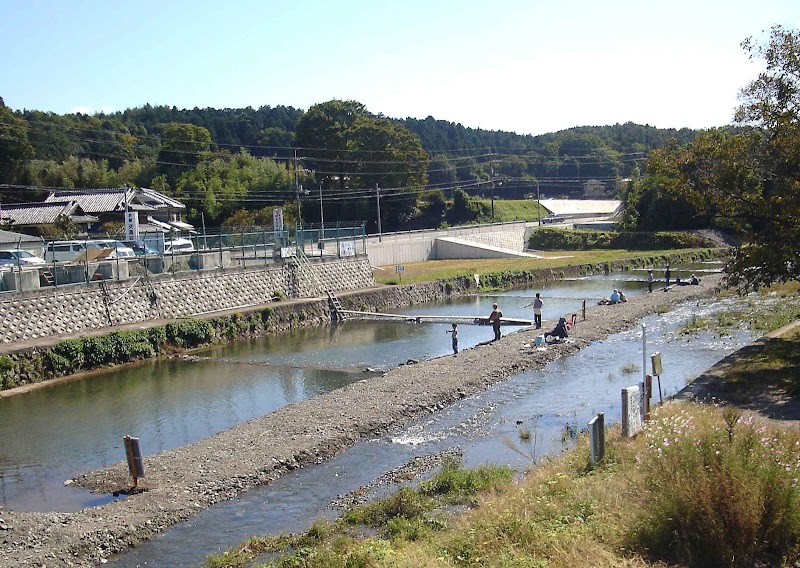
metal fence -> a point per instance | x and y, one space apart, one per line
247 248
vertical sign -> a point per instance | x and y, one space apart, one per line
277 221
631 411
131 226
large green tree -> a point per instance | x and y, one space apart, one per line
352 152
15 150
182 145
749 181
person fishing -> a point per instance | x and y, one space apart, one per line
537 310
454 331
494 319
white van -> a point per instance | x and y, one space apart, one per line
178 246
121 250
68 251
553 219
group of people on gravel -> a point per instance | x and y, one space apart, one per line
560 331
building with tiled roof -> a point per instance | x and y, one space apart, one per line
115 200
32 214
91 207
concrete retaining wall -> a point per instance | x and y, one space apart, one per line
75 309
512 238
418 246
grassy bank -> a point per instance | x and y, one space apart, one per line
446 269
702 486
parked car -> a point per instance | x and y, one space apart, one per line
552 218
67 251
120 249
178 246
140 248
64 251
19 257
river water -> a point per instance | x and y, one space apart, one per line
51 434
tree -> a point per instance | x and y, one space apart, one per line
750 181
183 145
15 150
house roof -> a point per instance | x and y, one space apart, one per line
12 237
108 200
582 207
25 214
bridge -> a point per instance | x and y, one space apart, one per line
471 320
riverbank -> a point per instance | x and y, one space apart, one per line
182 482
37 361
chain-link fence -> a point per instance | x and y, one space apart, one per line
89 260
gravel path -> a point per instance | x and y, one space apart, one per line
183 481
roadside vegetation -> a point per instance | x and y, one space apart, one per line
702 486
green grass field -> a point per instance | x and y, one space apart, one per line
506 210
443 269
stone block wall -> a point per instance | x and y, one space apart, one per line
82 308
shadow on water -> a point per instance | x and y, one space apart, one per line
52 434
486 427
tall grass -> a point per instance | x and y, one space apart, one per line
720 490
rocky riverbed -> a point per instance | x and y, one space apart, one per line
183 481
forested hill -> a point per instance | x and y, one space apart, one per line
270 130
220 161
442 137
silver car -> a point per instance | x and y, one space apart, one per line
19 257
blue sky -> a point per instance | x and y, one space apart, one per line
524 66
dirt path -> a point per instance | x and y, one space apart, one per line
182 482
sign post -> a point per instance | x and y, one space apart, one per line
134 454
399 268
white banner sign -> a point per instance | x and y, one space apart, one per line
277 221
347 248
131 226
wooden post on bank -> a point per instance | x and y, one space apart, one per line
597 438
134 454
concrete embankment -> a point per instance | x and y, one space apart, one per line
184 481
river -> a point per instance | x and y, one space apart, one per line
53 433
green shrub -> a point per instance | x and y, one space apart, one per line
99 351
722 490
66 357
6 370
157 337
190 333
456 482
567 239
406 503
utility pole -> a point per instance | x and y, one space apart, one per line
321 220
538 205
297 189
380 232
491 169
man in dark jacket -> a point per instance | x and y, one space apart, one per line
559 331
